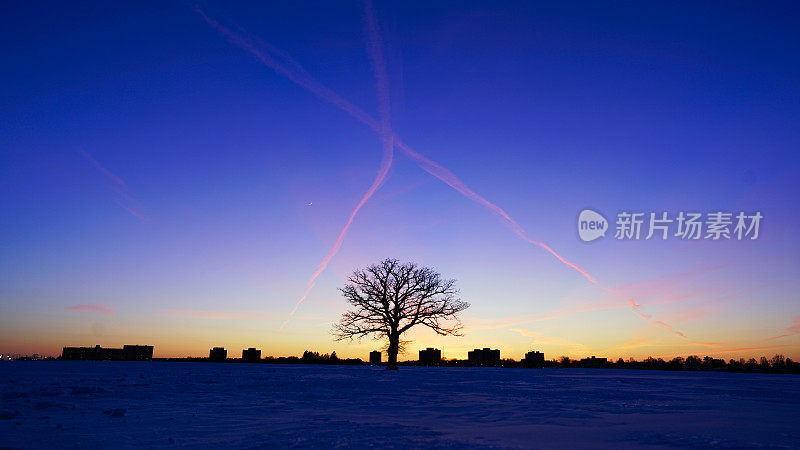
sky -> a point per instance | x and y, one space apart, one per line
177 174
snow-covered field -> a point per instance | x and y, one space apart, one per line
161 404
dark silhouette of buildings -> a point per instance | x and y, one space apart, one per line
533 359
97 353
375 357
137 352
593 362
484 357
218 354
430 356
251 355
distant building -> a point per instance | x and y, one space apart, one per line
251 355
533 359
218 354
593 362
137 352
97 353
484 357
430 356
375 357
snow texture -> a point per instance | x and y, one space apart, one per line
62 404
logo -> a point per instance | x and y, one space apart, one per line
591 225
685 225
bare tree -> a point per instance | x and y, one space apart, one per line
389 298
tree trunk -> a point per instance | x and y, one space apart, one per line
394 346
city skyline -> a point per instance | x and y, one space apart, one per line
206 187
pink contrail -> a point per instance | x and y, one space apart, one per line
634 307
135 213
301 77
383 128
118 186
790 331
279 62
386 163
375 51
453 181
97 308
102 169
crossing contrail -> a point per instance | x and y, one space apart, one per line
284 65
375 51
270 57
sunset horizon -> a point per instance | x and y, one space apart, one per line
218 190
400 225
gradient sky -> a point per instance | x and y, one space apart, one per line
161 185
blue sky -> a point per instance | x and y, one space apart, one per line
161 185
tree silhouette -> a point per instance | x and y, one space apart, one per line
778 361
389 298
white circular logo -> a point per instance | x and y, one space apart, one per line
591 225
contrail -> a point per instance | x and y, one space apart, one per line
300 76
110 175
135 213
453 181
790 331
118 186
635 309
286 66
386 163
375 51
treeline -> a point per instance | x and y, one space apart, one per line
778 363
308 357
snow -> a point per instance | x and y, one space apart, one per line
56 404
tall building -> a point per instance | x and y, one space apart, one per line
137 352
593 362
533 359
484 357
375 357
97 353
251 355
430 356
218 354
